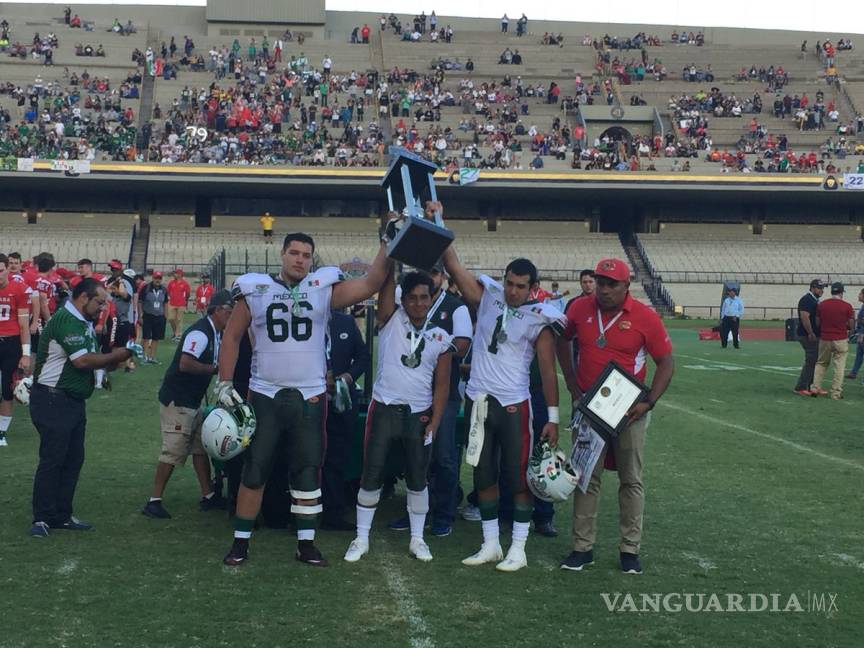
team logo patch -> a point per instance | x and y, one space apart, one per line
343 336
608 265
261 288
512 409
314 399
424 419
625 325
314 282
74 339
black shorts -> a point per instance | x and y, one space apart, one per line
123 332
10 354
268 233
153 327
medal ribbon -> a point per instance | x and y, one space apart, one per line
507 313
602 328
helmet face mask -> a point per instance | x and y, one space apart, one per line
226 432
550 476
22 390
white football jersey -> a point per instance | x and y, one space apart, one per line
397 382
504 346
288 350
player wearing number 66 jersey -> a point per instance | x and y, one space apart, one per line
286 315
406 409
510 330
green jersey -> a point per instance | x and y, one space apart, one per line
66 337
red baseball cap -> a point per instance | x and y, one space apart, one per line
115 264
615 269
178 271
157 274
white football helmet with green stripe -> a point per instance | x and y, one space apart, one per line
550 475
226 432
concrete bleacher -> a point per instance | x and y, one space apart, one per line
68 238
782 254
761 301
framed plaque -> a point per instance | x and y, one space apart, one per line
610 398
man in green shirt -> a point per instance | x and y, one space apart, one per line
66 359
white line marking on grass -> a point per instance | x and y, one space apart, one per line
717 400
782 402
546 564
764 435
732 364
703 563
69 565
420 635
846 559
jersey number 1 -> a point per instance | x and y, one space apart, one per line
493 345
277 325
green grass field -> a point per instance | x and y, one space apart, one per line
749 489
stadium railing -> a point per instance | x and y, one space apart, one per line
803 278
775 312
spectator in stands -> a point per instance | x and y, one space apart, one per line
836 320
505 24
731 312
859 339
267 225
808 335
75 22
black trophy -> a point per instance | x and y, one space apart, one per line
409 180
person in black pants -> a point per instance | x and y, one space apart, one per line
731 312
63 380
349 359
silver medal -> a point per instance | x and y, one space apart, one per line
296 309
501 337
411 361
601 341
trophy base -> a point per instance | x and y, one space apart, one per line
419 243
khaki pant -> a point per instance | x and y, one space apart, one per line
628 459
181 433
833 353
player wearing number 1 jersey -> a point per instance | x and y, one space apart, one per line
511 329
287 315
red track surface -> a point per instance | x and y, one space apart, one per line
776 334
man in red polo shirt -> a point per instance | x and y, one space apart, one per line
611 325
835 319
178 298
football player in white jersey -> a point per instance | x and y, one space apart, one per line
406 409
287 315
510 330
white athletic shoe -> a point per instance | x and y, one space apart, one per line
489 552
3 442
420 550
471 513
515 560
356 550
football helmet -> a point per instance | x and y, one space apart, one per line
227 431
22 390
550 475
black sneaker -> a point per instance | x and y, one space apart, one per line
308 553
630 563
577 560
546 529
238 554
217 502
73 524
155 509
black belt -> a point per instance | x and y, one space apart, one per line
54 390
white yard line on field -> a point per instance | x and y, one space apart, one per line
717 400
764 435
703 563
69 565
420 636
848 560
785 374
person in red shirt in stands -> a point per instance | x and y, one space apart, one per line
14 340
178 298
611 325
203 293
835 319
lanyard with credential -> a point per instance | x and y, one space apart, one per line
601 341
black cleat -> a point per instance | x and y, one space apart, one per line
155 509
577 560
308 553
238 554
630 563
546 529
217 502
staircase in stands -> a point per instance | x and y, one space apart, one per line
140 245
148 91
642 274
